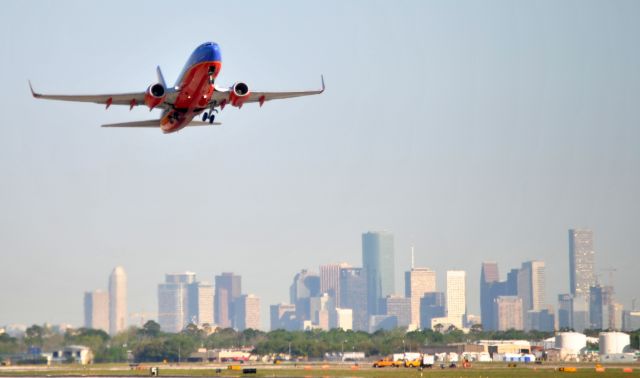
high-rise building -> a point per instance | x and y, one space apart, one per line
582 275
489 279
228 289
456 297
491 288
600 305
342 318
418 281
581 261
531 284
182 301
400 307
565 311
330 280
630 320
432 305
247 312
378 260
508 310
305 285
96 310
283 316
353 295
173 301
321 308
201 307
117 300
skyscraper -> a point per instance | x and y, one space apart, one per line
330 280
581 261
96 310
565 311
201 309
400 307
582 275
173 301
353 295
509 313
304 286
456 296
531 284
432 305
378 260
321 308
247 312
228 289
182 300
283 316
117 300
489 278
418 281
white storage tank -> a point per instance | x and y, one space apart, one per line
571 342
614 342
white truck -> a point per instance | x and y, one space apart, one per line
428 360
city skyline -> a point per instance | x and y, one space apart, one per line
511 124
182 300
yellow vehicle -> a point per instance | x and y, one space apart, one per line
383 363
413 363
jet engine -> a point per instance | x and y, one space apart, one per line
154 95
239 94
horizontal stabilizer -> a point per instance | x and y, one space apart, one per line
147 123
156 123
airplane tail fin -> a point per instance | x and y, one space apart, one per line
160 77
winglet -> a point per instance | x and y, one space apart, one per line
33 93
161 77
322 79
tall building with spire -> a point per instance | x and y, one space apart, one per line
378 260
117 300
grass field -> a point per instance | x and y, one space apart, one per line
490 370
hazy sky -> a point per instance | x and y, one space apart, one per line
473 130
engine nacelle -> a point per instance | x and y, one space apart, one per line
155 95
239 94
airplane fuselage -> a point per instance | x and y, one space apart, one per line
195 87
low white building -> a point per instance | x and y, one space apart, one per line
78 354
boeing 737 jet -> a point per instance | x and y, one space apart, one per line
195 92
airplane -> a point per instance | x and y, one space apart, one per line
195 92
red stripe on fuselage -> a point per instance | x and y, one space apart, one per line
195 91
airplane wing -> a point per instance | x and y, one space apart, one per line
129 99
155 123
222 94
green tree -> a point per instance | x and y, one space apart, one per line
150 329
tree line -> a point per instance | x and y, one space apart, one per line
149 344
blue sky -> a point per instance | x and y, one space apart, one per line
472 130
